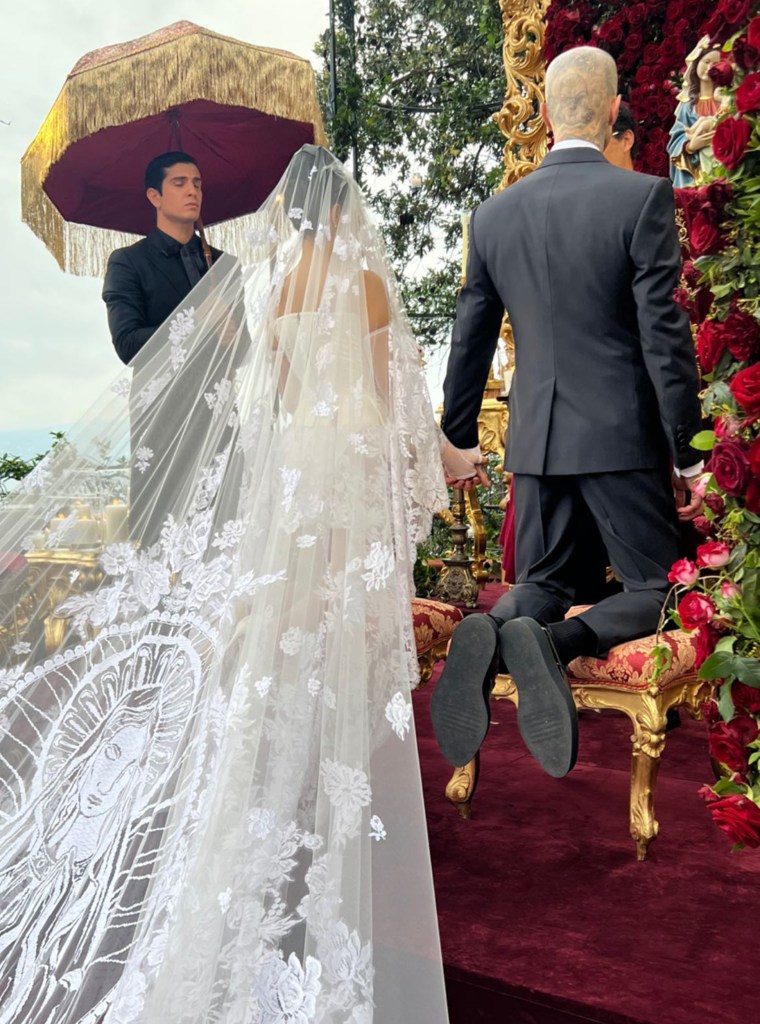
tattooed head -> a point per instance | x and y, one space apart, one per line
581 87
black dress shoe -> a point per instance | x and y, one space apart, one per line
546 714
459 706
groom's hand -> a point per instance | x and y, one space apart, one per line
688 501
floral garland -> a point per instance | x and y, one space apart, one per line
649 41
721 291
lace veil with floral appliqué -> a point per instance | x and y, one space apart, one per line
210 799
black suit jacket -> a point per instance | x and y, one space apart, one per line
144 284
585 258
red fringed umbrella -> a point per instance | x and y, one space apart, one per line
240 110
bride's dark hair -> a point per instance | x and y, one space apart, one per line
314 176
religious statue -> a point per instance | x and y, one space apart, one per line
690 144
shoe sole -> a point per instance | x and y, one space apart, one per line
459 706
546 714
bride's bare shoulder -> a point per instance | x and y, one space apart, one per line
378 308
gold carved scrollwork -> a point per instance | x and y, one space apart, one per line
519 118
524 66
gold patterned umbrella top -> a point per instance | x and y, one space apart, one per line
241 110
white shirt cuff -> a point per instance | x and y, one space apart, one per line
690 471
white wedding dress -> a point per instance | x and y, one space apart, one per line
210 802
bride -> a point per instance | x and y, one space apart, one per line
210 800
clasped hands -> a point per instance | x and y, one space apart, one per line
463 469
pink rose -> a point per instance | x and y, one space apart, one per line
684 572
699 484
726 427
729 590
713 554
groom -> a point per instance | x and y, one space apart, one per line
603 406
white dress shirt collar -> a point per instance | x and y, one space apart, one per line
574 143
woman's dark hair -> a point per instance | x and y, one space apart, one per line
626 122
300 192
156 170
690 79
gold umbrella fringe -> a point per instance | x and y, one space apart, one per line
201 65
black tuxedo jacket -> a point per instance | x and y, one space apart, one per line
585 258
144 284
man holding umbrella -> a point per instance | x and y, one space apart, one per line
143 286
145 282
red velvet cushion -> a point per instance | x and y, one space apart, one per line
629 666
433 621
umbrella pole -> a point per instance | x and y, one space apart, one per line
204 244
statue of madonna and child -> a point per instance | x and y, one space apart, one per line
700 102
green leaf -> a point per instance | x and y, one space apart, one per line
727 786
747 670
704 441
726 704
726 643
718 666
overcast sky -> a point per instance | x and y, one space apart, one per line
55 351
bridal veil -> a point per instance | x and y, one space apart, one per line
210 801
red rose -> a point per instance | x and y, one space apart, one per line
745 55
722 73
731 140
713 554
637 14
742 333
753 33
634 41
729 16
752 497
695 610
711 344
728 742
729 465
707 638
745 387
703 526
611 32
716 196
715 503
753 457
706 237
709 708
746 698
748 94
738 817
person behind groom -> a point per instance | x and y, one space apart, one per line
604 401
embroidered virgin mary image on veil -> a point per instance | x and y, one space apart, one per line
210 799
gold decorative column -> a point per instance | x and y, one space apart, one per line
519 118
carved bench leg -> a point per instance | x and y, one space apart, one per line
461 786
648 743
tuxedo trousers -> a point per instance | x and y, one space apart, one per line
634 511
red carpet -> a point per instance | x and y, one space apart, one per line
547 917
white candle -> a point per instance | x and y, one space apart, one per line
115 522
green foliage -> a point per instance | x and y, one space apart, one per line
13 467
418 82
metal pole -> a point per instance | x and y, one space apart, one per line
332 97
